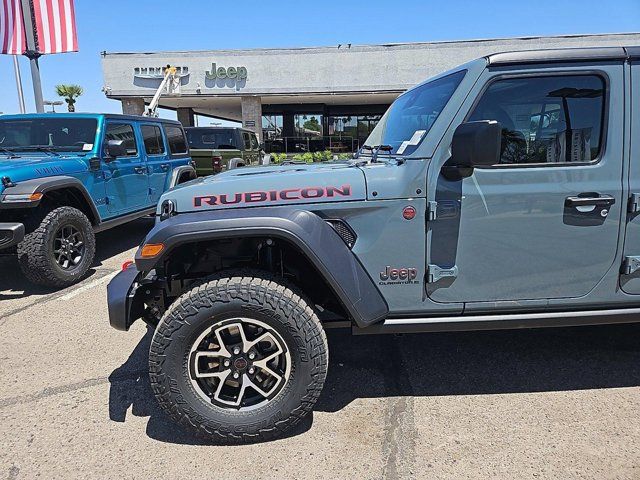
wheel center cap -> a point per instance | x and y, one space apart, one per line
240 363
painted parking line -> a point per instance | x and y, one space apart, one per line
97 282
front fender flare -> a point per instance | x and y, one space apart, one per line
49 184
338 266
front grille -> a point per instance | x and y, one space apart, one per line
345 232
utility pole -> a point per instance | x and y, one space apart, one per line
32 54
16 68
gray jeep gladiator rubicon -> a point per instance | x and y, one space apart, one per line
501 194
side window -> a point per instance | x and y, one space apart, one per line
176 139
254 142
551 119
247 140
124 132
152 137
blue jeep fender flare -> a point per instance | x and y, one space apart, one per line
46 185
316 239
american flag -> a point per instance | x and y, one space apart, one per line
54 27
12 39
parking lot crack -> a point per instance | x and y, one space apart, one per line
400 433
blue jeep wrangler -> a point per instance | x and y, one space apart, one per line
66 176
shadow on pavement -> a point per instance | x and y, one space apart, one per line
423 365
108 244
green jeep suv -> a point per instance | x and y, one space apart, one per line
216 149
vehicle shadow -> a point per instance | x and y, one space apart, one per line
109 243
424 365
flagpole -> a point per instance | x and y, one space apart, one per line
16 69
32 54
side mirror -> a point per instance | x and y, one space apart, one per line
474 144
115 149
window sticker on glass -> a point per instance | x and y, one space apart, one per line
403 146
417 136
87 147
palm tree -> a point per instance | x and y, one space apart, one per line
70 93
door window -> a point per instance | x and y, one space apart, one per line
124 132
551 119
254 142
247 140
176 139
153 141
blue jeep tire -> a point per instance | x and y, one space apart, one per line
60 250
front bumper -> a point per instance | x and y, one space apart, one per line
11 234
123 306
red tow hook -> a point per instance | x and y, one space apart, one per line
127 264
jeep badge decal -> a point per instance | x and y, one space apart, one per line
287 194
398 276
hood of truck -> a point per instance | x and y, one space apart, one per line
271 185
30 166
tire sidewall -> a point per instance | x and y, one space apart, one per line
169 366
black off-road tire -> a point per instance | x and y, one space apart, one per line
35 252
252 294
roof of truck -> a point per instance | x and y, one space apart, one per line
565 55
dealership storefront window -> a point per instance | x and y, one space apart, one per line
312 132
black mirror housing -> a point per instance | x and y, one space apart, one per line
474 144
115 149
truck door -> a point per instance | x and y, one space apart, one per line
126 177
544 222
157 159
630 278
247 153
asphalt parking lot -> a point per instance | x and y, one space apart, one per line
75 400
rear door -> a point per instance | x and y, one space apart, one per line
630 279
157 159
544 222
126 178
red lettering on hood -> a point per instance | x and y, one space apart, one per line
261 196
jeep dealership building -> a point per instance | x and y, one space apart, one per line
301 99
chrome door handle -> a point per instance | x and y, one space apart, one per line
140 170
164 166
599 201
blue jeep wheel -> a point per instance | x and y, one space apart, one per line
60 250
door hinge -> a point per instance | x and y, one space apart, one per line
634 203
432 211
435 273
630 265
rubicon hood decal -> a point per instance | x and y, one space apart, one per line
288 194
260 187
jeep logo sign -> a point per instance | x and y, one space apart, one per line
403 275
233 73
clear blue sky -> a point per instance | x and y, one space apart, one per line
154 25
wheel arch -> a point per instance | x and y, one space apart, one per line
182 174
317 242
59 190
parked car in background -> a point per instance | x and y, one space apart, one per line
216 149
65 177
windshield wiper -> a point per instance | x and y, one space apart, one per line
9 152
377 149
41 148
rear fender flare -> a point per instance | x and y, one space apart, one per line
326 251
178 172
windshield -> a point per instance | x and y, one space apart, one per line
412 115
65 134
210 138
